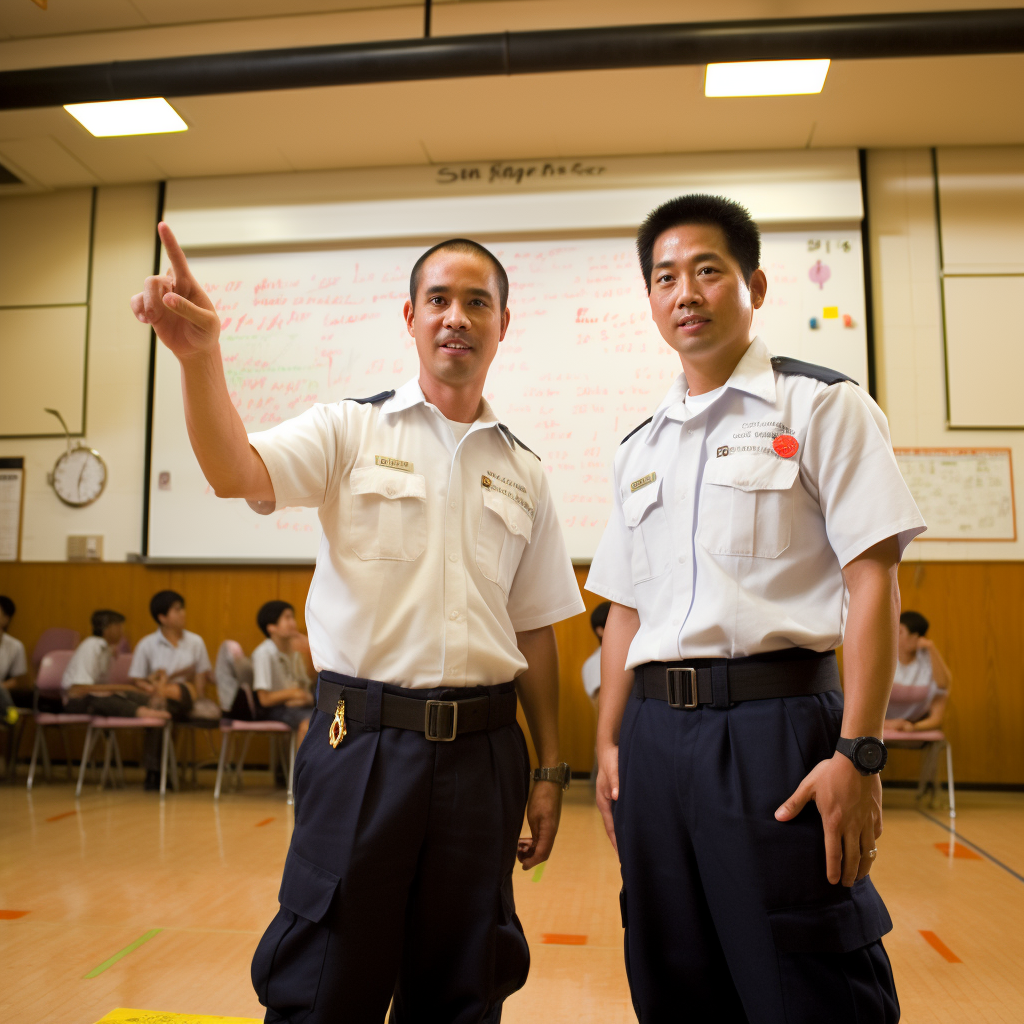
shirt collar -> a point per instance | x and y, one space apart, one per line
753 374
411 394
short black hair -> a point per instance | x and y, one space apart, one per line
270 614
599 616
7 606
915 623
741 233
466 245
162 602
102 618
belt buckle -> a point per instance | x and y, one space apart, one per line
431 728
677 691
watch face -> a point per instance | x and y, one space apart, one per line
870 755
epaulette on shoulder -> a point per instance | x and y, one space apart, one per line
798 368
513 441
635 429
382 397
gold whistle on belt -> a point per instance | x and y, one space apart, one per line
338 728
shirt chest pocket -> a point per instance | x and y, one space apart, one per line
644 515
505 530
389 514
746 506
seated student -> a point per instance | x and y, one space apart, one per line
921 685
592 666
13 665
279 679
171 661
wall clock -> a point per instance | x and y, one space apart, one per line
80 474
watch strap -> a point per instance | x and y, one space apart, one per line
560 774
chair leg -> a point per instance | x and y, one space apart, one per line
35 756
225 740
949 780
175 783
119 777
108 739
67 749
47 765
90 738
165 742
240 764
291 769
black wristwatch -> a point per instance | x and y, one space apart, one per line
867 753
560 774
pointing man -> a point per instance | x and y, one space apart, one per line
440 573
759 516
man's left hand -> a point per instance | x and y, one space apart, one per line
542 814
850 805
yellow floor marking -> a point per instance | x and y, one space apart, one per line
123 1016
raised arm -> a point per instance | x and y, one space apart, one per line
185 320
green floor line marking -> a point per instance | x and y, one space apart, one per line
538 872
96 971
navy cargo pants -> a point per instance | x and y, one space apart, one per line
398 881
728 915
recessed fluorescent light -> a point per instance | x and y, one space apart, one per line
127 117
766 78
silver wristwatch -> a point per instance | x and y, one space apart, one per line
560 774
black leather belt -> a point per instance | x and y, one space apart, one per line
438 720
720 682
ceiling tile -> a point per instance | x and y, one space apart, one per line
46 161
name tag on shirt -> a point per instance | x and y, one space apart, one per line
494 483
402 467
636 485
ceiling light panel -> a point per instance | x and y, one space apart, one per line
766 78
128 117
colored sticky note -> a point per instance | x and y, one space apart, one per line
814 323
847 320
830 313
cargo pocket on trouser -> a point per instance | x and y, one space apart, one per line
832 964
511 952
289 959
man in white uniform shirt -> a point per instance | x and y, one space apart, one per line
757 516
440 573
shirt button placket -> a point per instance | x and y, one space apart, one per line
455 587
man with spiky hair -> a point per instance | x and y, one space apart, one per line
758 515
440 573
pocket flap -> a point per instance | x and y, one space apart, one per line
306 888
752 472
636 504
834 928
516 519
388 483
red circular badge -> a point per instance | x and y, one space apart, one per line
785 446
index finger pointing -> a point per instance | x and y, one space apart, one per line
174 251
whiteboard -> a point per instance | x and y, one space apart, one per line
581 365
963 493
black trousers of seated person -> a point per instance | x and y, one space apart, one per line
125 704
728 914
398 881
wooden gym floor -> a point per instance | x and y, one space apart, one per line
124 901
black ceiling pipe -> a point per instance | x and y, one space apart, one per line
930 34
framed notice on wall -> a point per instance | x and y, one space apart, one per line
12 490
963 493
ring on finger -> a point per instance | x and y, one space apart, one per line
872 854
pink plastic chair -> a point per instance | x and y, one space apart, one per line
54 639
48 685
930 742
232 659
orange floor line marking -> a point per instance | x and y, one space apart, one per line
65 814
960 851
265 821
12 915
940 947
555 939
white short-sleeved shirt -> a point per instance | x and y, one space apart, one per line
12 658
434 553
728 548
155 651
274 669
913 690
592 673
90 663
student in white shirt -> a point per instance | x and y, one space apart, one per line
592 666
13 666
171 662
280 682
920 689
